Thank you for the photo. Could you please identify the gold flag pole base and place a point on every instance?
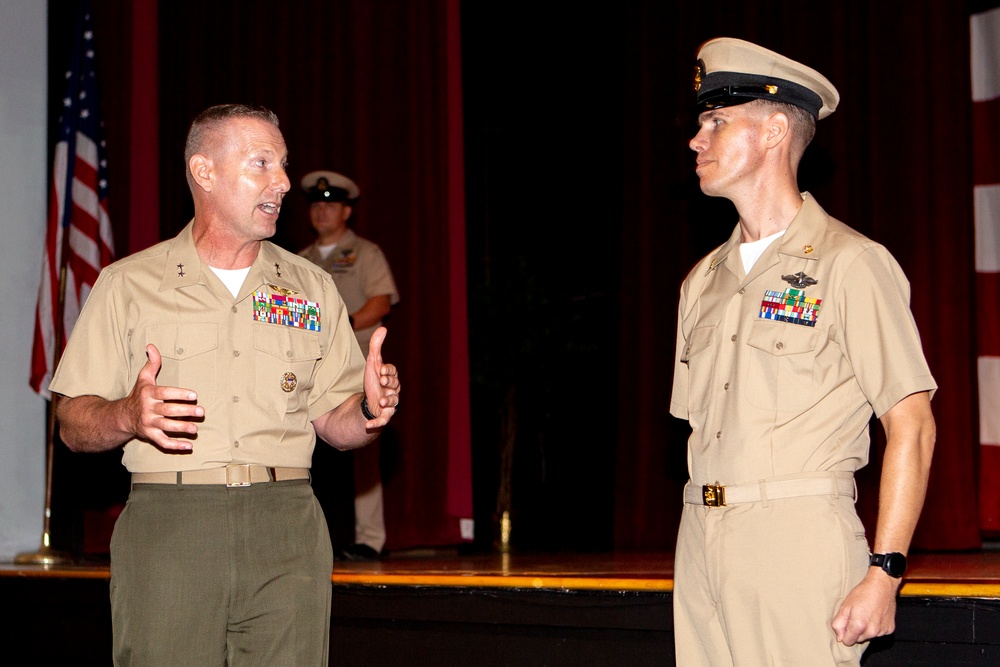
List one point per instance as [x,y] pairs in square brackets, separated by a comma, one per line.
[44,556]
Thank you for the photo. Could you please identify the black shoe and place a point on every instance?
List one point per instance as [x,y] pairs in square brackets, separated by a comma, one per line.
[357,552]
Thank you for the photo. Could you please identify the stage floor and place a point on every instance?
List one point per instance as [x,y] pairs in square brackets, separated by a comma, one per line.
[974,575]
[447,607]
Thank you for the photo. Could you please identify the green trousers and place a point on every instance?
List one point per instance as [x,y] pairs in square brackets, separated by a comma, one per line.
[212,576]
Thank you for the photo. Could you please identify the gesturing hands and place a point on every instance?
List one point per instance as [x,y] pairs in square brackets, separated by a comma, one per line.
[381,383]
[155,412]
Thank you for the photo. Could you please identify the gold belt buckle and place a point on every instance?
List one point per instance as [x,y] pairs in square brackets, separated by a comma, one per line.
[713,495]
[230,482]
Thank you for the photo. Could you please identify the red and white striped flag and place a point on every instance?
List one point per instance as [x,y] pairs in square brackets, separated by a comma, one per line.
[79,239]
[985,46]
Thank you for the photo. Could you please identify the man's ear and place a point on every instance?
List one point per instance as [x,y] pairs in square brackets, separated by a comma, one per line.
[776,129]
[201,168]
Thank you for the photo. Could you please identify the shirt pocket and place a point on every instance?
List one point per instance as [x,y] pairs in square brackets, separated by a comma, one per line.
[781,366]
[700,359]
[284,362]
[187,352]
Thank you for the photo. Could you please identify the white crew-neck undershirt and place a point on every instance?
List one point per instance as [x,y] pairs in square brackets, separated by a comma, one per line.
[752,250]
[232,278]
[325,250]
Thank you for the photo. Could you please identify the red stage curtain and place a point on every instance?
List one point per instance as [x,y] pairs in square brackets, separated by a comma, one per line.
[369,88]
[372,89]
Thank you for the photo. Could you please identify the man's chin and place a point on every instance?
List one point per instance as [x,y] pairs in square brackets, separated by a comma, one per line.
[266,229]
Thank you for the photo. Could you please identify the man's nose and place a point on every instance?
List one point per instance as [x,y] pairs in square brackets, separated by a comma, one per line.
[281,182]
[697,143]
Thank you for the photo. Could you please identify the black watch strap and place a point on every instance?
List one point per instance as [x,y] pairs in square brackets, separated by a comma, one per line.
[364,409]
[893,563]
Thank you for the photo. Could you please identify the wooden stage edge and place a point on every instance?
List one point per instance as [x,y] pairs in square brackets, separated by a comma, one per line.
[949,575]
[451,607]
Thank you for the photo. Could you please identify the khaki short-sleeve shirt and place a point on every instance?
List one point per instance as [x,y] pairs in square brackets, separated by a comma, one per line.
[264,364]
[360,271]
[778,372]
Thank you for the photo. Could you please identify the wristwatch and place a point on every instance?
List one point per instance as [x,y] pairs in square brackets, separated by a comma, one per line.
[893,563]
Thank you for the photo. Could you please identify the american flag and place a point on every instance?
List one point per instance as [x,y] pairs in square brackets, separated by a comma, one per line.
[985,46]
[79,239]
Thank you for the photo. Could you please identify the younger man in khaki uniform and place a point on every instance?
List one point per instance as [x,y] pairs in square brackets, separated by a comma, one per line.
[790,335]
[363,278]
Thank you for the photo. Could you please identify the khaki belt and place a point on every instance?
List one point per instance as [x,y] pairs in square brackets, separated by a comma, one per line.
[719,495]
[235,474]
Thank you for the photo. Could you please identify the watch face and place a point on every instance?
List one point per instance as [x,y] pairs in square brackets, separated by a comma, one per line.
[895,564]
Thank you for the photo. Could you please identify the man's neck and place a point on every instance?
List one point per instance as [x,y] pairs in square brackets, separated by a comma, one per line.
[221,250]
[769,213]
[331,237]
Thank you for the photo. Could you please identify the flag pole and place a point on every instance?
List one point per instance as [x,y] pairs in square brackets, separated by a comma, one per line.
[46,555]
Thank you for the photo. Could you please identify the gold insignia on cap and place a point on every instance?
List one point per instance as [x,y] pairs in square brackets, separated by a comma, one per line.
[289,382]
[807,249]
[734,71]
[699,68]
[282,290]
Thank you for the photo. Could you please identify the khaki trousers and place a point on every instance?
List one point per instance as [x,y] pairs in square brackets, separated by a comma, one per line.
[369,510]
[214,576]
[759,583]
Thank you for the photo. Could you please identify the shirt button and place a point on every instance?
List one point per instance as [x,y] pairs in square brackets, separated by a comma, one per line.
[718,435]
[779,345]
[726,386]
[236,399]
[743,291]
[733,338]
[234,310]
[288,354]
[236,353]
[180,350]
[236,444]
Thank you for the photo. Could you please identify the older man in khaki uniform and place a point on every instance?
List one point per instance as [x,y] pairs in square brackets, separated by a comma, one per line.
[790,335]
[216,359]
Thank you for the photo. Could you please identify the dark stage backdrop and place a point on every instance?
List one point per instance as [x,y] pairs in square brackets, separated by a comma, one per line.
[894,161]
[582,217]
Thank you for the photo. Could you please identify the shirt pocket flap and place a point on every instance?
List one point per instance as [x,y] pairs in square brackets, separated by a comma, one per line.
[781,339]
[184,341]
[700,340]
[286,344]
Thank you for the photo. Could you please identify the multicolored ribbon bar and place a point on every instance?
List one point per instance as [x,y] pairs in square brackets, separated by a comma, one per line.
[286,310]
[792,305]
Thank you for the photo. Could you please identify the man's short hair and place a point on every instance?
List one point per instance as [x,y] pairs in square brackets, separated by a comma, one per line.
[211,118]
[802,122]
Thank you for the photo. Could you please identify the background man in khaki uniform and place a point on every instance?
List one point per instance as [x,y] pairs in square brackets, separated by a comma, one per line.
[216,358]
[363,278]
[790,335]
